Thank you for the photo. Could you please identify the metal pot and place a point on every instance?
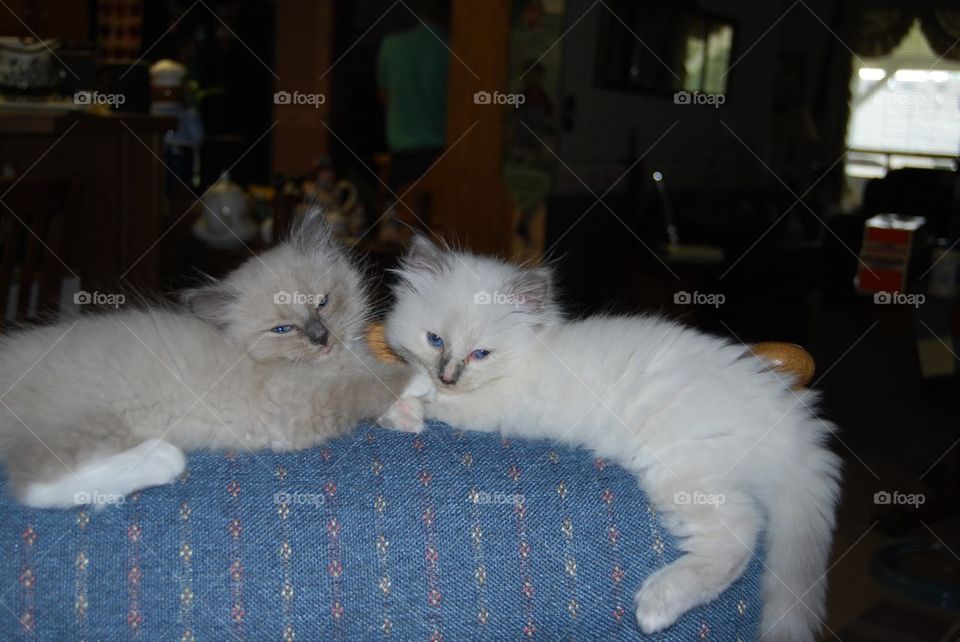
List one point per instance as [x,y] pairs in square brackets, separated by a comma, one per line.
[28,66]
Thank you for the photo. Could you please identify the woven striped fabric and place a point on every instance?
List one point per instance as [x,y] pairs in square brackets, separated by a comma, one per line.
[447,535]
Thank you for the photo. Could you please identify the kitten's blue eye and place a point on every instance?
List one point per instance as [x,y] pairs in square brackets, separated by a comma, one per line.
[322,301]
[282,329]
[480,353]
[435,341]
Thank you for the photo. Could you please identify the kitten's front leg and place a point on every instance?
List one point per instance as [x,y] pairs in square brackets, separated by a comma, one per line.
[407,412]
[387,393]
[718,532]
[462,411]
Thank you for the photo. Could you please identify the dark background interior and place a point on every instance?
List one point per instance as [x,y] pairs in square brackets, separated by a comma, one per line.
[735,178]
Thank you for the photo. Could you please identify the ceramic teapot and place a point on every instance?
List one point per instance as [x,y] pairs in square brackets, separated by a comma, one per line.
[225,220]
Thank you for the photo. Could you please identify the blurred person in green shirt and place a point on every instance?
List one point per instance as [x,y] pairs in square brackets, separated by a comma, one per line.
[412,78]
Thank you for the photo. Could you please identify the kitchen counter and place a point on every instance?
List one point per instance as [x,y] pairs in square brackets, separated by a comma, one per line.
[19,118]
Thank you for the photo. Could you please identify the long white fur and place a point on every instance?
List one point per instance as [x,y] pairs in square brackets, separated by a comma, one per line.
[691,415]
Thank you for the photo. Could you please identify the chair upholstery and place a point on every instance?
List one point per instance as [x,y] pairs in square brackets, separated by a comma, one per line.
[379,535]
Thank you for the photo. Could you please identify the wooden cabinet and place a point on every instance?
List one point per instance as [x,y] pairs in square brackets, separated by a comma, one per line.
[121,214]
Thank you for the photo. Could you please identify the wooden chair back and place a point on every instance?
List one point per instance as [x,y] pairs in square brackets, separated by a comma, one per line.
[788,358]
[34,218]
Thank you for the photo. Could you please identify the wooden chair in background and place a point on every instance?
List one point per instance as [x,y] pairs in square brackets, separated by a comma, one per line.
[787,358]
[284,209]
[417,196]
[35,219]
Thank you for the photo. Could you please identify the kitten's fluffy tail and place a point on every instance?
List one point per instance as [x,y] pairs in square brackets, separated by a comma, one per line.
[800,528]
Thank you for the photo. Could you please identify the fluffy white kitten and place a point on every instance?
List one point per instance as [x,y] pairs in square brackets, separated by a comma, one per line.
[722,447]
[272,356]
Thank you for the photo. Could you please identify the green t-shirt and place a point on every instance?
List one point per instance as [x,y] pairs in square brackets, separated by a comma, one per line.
[412,71]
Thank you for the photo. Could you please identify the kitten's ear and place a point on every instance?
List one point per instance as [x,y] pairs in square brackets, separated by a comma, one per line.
[211,303]
[309,232]
[423,255]
[532,288]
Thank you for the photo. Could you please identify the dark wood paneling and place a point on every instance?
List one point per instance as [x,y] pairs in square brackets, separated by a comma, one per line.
[472,201]
[122,209]
[65,20]
[304,42]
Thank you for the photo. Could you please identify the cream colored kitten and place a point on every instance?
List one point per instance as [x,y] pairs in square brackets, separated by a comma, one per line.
[272,356]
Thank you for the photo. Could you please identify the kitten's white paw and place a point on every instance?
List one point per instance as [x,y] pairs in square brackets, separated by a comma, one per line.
[162,463]
[665,596]
[421,386]
[405,415]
